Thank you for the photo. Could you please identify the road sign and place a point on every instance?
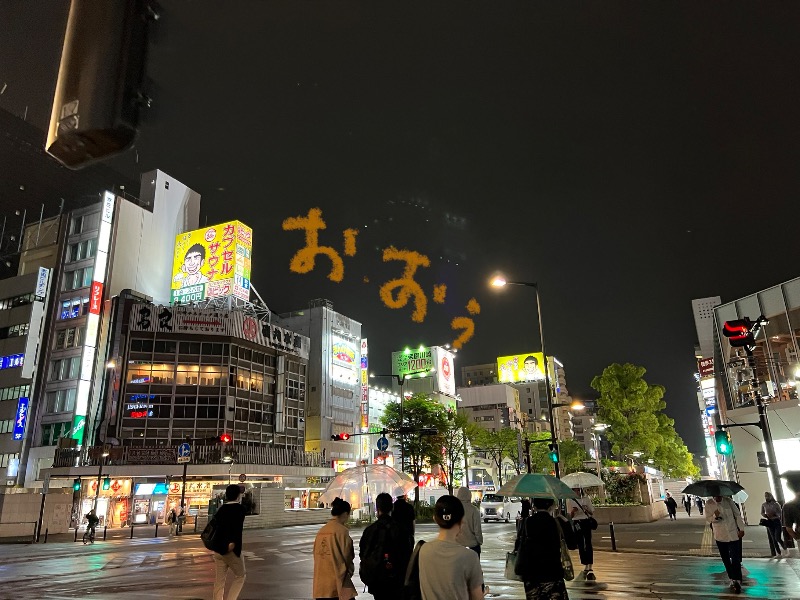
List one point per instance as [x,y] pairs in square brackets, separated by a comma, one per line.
[383,444]
[242,478]
[184,453]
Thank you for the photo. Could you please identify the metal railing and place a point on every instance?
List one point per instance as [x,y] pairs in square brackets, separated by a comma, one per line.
[201,455]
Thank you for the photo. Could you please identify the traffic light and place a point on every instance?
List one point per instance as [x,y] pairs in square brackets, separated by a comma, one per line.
[553,452]
[722,440]
[107,483]
[739,332]
[76,485]
[340,437]
[226,438]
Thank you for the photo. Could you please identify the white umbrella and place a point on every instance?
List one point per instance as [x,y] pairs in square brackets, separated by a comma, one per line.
[360,485]
[582,480]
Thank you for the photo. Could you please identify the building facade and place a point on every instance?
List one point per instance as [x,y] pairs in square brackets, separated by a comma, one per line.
[492,407]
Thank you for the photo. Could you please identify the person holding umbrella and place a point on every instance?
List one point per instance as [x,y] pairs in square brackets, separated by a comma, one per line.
[728,527]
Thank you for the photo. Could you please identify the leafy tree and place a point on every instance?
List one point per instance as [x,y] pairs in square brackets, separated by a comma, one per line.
[498,445]
[454,437]
[572,456]
[634,411]
[540,460]
[419,448]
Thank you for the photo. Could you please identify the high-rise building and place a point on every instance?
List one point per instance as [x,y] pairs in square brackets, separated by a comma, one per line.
[473,375]
[492,407]
[703,310]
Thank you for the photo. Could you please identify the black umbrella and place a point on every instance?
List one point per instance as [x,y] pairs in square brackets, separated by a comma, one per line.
[713,487]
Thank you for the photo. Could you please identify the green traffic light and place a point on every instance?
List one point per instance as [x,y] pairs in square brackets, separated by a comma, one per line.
[723,443]
[76,485]
[106,484]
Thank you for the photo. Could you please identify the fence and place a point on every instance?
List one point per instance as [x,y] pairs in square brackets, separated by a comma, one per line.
[204,454]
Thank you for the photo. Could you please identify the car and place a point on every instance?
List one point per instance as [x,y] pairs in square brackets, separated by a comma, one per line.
[500,508]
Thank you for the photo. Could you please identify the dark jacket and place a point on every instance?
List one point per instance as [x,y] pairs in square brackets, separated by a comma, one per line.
[671,504]
[230,522]
[403,514]
[542,549]
[396,544]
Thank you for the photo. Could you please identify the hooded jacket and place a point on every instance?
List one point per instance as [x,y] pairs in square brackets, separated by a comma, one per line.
[471,534]
[333,561]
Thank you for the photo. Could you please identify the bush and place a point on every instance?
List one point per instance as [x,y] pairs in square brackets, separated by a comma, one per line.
[621,487]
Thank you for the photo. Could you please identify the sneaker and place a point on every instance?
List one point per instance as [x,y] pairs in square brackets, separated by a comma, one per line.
[590,576]
[737,586]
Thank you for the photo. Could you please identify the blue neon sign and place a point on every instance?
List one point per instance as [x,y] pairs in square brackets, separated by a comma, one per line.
[11,361]
[21,418]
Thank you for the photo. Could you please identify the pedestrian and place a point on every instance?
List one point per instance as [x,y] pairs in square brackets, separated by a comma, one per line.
[728,527]
[227,545]
[92,520]
[672,507]
[403,513]
[687,504]
[542,572]
[771,512]
[791,509]
[471,534]
[172,521]
[334,556]
[579,511]
[384,550]
[524,513]
[700,504]
[448,570]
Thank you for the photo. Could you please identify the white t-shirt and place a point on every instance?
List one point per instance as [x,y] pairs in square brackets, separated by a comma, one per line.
[448,571]
[585,502]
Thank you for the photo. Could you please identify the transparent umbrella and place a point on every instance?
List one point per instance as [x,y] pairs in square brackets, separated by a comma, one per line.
[360,485]
[581,479]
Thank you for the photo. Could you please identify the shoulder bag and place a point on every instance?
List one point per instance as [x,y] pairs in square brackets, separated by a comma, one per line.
[411,589]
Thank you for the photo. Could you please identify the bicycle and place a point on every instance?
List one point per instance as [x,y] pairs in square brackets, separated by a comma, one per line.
[88,535]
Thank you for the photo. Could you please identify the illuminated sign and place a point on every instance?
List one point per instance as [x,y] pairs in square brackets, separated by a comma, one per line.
[705,366]
[520,367]
[445,371]
[96,298]
[364,394]
[212,262]
[412,361]
[41,282]
[11,361]
[343,352]
[20,419]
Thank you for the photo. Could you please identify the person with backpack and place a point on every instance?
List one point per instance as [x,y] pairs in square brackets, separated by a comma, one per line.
[384,551]
[223,535]
[447,569]
[334,556]
[539,558]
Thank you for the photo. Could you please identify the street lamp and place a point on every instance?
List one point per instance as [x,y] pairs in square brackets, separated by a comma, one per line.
[499,281]
[99,478]
[401,381]
[597,429]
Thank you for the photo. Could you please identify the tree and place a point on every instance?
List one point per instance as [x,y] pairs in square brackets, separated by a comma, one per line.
[419,447]
[454,437]
[572,456]
[498,445]
[634,411]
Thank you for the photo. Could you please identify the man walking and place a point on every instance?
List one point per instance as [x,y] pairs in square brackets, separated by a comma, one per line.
[385,550]
[471,534]
[228,544]
[672,507]
[728,527]
[687,504]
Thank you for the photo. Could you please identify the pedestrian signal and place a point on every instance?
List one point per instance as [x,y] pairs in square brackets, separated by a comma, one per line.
[107,483]
[76,485]
[340,437]
[723,443]
[553,452]
[739,332]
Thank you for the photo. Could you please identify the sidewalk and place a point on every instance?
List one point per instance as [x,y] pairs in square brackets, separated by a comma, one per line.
[115,533]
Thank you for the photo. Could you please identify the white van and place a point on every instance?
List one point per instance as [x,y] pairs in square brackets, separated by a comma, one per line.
[500,508]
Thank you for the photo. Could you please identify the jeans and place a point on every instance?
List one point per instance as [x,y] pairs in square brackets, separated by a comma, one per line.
[585,549]
[223,563]
[731,554]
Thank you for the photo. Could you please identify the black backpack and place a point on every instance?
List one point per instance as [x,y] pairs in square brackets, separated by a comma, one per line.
[411,587]
[380,563]
[209,534]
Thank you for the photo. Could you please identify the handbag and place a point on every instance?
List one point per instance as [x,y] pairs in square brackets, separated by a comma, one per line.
[566,562]
[511,565]
[764,522]
[592,523]
[411,588]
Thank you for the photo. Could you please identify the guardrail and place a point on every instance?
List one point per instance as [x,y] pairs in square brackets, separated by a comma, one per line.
[201,455]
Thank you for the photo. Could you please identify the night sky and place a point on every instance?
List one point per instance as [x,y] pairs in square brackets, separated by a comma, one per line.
[627,156]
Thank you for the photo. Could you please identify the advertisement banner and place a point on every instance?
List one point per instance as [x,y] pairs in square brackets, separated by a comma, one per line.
[364,388]
[412,361]
[705,366]
[212,262]
[20,419]
[520,367]
[445,371]
[41,282]
[343,352]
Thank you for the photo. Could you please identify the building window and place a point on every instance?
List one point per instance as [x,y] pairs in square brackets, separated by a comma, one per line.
[79,278]
[73,308]
[13,393]
[14,331]
[82,250]
[7,426]
[16,301]
[60,401]
[72,337]
[84,223]
[65,368]
[7,459]
[53,431]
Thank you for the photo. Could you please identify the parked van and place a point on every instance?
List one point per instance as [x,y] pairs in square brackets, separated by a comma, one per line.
[500,508]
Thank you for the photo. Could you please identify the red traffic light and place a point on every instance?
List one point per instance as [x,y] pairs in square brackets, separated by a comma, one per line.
[739,332]
[226,438]
[340,437]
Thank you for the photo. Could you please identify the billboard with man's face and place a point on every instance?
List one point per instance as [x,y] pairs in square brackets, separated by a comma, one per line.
[212,262]
[520,367]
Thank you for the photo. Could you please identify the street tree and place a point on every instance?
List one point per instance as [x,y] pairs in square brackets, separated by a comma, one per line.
[572,456]
[454,438]
[633,409]
[419,447]
[498,445]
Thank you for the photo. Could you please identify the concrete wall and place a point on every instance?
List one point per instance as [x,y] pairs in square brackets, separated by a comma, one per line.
[630,514]
[19,510]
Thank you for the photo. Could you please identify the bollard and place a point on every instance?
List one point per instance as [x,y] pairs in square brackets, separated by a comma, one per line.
[105,531]
[45,534]
[156,534]
[76,534]
[131,530]
[195,524]
[613,537]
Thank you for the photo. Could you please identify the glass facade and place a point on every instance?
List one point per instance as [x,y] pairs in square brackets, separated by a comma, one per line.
[776,349]
[178,388]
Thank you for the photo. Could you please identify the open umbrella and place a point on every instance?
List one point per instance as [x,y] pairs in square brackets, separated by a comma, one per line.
[360,485]
[536,485]
[713,487]
[582,480]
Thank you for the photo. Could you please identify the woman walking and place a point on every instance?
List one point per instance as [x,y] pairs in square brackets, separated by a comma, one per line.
[672,507]
[772,512]
[579,511]
[542,571]
[333,557]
